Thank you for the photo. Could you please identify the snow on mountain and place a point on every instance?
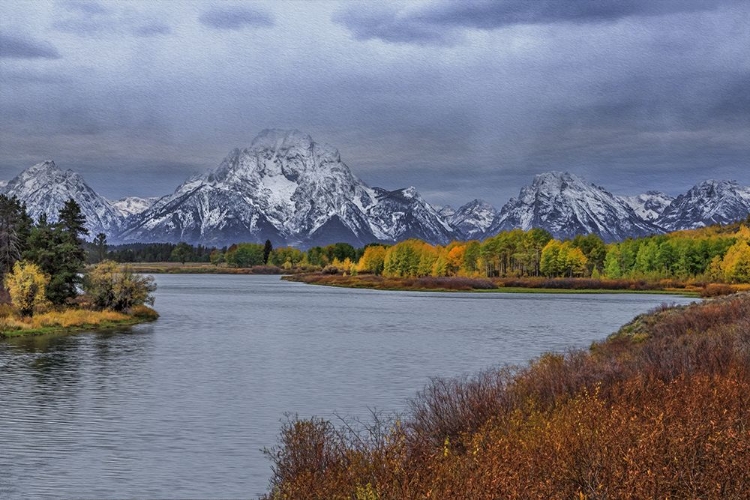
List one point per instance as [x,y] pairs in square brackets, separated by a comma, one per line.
[285,188]
[3,184]
[710,202]
[473,220]
[45,189]
[567,205]
[403,214]
[446,212]
[132,205]
[649,205]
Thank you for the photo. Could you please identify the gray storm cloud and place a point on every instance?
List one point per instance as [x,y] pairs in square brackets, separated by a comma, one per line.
[460,99]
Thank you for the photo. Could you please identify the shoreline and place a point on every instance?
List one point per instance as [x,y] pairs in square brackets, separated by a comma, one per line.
[667,391]
[483,285]
[103,324]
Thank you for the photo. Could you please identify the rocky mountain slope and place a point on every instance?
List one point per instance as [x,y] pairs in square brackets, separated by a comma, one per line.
[473,220]
[45,188]
[710,202]
[649,205]
[291,190]
[132,205]
[566,205]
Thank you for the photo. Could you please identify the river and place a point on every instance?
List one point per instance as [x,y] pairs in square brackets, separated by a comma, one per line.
[181,408]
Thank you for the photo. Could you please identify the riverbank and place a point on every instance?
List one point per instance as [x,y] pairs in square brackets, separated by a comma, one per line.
[661,409]
[73,320]
[201,268]
[517,285]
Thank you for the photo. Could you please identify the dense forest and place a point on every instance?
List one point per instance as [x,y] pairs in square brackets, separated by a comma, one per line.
[712,254]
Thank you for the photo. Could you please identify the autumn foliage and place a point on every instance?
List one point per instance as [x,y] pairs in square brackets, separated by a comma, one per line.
[661,409]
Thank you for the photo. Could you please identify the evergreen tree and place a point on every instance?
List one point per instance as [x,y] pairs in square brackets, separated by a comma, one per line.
[100,245]
[15,225]
[181,252]
[58,250]
[267,249]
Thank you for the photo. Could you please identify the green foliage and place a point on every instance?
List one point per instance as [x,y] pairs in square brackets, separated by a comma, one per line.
[59,252]
[181,252]
[216,257]
[245,255]
[286,257]
[15,226]
[562,259]
[100,246]
[154,252]
[118,289]
[683,255]
[593,249]
[514,253]
[26,285]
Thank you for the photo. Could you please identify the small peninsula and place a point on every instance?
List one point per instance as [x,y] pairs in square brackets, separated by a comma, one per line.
[47,287]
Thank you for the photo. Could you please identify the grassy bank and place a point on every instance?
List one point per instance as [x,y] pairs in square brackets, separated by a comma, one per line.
[661,409]
[72,320]
[511,285]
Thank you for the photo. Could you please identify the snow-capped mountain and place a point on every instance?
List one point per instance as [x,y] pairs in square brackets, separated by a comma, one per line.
[566,205]
[472,220]
[132,205]
[45,189]
[446,212]
[649,205]
[710,202]
[403,214]
[288,189]
[293,191]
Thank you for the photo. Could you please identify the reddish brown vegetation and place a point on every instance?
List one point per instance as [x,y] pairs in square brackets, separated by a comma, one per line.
[659,410]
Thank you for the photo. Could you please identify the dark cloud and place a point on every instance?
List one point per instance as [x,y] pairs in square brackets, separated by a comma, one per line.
[23,48]
[384,23]
[93,19]
[494,14]
[90,7]
[234,18]
[631,95]
[154,28]
[439,22]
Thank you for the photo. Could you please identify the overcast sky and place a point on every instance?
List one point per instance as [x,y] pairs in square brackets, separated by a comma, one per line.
[461,99]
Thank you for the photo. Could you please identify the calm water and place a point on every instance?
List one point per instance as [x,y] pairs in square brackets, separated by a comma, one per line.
[181,407]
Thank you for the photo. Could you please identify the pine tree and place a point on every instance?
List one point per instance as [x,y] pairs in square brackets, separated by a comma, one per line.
[100,245]
[15,225]
[58,250]
[267,249]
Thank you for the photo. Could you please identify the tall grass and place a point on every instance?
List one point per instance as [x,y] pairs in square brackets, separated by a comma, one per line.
[659,410]
[70,319]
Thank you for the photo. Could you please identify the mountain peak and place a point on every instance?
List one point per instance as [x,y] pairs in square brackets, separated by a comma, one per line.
[566,205]
[45,188]
[279,139]
[47,166]
[555,181]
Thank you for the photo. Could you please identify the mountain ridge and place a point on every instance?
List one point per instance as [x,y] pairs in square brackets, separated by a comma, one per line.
[293,191]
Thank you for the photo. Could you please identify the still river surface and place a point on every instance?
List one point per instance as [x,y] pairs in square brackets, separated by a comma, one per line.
[182,407]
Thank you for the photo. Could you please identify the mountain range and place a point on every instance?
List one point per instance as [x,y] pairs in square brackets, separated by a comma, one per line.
[293,191]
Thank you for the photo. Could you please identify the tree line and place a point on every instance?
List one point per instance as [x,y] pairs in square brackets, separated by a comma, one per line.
[716,253]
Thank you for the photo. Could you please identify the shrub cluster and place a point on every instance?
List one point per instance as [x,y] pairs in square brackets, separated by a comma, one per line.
[661,409]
